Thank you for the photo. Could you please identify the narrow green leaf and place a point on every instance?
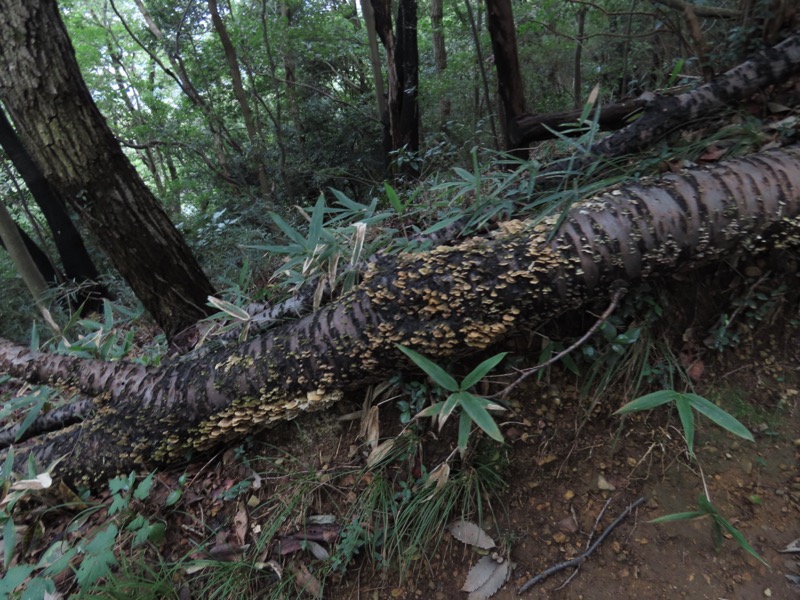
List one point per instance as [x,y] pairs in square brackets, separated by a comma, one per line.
[569,364]
[431,411]
[434,371]
[173,497]
[681,516]
[481,370]
[287,229]
[705,505]
[719,416]
[9,541]
[394,199]
[464,430]
[317,220]
[472,405]
[31,416]
[716,534]
[453,400]
[687,420]
[13,578]
[38,588]
[8,466]
[739,537]
[648,402]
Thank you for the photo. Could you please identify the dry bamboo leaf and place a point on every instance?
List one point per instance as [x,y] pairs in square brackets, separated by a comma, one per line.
[319,552]
[40,482]
[321,520]
[439,476]
[371,427]
[469,533]
[240,523]
[792,546]
[306,581]
[493,584]
[379,453]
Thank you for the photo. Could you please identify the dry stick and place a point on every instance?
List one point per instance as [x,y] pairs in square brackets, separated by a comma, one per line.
[528,372]
[579,559]
[599,518]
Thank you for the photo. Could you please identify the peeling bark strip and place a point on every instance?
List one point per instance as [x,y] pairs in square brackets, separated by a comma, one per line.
[451,300]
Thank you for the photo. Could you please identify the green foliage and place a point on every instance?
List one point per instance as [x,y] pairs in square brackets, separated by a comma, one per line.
[686,403]
[337,240]
[474,409]
[90,559]
[719,525]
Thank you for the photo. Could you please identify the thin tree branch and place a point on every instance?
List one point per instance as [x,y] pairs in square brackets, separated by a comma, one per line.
[525,373]
[582,557]
[710,12]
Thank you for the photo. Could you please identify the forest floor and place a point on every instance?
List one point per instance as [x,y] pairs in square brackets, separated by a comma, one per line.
[563,469]
[566,457]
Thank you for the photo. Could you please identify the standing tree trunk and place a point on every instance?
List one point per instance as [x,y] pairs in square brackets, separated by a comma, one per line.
[75,259]
[476,38]
[402,65]
[500,21]
[439,55]
[241,97]
[59,124]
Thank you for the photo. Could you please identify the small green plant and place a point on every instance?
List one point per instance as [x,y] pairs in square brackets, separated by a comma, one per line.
[719,525]
[90,558]
[686,404]
[474,409]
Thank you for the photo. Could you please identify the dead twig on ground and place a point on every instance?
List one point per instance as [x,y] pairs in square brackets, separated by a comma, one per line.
[582,557]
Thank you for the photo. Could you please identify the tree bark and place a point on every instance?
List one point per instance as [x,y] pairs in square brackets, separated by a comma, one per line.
[60,126]
[450,301]
[500,21]
[439,55]
[402,66]
[75,259]
[664,114]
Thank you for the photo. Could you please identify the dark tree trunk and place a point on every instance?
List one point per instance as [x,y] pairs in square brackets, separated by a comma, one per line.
[60,126]
[500,21]
[453,300]
[402,65]
[664,114]
[77,263]
[439,55]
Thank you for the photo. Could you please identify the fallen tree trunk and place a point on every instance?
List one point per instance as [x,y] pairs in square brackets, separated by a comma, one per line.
[664,114]
[453,299]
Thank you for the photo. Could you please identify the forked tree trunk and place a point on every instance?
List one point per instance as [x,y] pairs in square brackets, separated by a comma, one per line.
[78,265]
[62,129]
[449,301]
